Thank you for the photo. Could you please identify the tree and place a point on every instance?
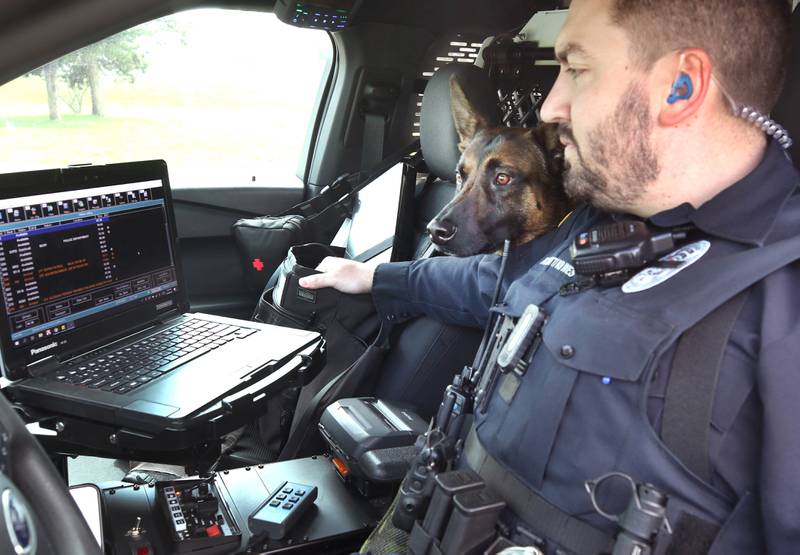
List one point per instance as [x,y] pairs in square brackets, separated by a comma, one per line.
[51,82]
[120,55]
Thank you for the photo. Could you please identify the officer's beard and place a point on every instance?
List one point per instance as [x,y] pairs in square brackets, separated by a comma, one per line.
[614,172]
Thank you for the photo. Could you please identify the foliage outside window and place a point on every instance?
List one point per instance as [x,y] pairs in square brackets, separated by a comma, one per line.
[225,97]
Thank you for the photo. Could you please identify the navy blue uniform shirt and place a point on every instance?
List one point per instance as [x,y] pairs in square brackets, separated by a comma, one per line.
[755,429]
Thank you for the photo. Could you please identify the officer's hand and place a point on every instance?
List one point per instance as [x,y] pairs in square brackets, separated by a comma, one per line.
[343,275]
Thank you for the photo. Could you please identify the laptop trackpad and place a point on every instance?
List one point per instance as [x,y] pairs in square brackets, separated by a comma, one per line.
[149,407]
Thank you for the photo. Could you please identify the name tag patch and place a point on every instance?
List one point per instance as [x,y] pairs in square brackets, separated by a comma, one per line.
[667,267]
[560,265]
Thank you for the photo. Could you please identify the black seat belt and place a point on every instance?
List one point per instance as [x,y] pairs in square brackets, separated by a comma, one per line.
[374,250]
[342,385]
[374,137]
[692,384]
[403,247]
[378,101]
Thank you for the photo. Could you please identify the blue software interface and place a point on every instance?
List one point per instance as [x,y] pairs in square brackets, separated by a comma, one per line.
[68,259]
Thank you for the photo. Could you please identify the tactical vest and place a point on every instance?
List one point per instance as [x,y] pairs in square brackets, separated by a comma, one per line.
[579,411]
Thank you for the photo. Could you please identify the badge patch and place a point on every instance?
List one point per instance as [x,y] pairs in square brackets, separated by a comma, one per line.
[672,264]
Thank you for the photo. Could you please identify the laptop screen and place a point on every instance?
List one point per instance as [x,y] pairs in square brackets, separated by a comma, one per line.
[75,258]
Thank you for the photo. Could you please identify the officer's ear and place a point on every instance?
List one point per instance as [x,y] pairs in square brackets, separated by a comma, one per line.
[684,86]
[469,122]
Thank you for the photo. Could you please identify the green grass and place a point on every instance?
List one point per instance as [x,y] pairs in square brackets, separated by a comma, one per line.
[200,135]
[68,121]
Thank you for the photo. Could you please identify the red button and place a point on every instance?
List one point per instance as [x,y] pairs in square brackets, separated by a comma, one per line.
[213,531]
[143,551]
[341,468]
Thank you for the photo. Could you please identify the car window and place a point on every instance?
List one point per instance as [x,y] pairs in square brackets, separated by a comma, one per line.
[226,97]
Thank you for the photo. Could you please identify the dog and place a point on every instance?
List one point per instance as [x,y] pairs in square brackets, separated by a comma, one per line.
[508,184]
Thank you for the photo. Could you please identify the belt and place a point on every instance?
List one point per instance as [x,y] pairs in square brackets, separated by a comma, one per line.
[543,518]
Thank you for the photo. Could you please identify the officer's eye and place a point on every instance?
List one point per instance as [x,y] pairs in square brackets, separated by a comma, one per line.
[502,179]
[574,72]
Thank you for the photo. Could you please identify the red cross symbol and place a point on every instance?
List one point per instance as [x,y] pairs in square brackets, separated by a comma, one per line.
[258,265]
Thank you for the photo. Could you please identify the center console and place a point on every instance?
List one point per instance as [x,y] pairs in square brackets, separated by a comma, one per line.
[213,515]
[321,504]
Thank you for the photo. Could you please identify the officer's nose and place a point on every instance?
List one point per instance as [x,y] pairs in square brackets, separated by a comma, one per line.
[442,231]
[556,107]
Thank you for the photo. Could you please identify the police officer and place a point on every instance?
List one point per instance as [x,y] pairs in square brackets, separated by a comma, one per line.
[654,104]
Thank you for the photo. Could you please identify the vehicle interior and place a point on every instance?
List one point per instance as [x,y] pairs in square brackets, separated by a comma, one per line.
[255,106]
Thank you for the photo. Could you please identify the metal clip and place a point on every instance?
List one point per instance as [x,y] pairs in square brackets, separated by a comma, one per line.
[577,286]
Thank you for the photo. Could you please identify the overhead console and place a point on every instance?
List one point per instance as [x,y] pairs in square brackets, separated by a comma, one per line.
[327,15]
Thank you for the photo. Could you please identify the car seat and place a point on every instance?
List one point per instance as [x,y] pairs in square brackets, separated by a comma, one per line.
[411,371]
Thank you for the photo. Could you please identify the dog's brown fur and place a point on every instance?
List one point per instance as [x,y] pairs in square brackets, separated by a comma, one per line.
[483,213]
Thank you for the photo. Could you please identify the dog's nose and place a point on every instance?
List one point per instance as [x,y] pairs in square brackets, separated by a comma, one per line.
[442,231]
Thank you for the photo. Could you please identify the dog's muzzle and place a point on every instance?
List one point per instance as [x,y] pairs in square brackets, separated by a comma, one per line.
[442,232]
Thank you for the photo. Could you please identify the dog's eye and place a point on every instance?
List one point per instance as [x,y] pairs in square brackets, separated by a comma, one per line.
[502,179]
[459,179]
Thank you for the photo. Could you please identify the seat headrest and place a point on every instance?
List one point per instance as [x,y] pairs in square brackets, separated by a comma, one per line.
[787,111]
[438,135]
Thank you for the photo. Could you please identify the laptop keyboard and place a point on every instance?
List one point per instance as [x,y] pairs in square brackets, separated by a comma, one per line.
[125,369]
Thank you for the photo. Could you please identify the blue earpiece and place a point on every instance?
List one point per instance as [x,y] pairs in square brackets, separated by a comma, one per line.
[682,89]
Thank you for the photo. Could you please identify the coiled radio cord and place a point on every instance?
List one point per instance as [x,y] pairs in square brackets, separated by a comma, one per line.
[766,124]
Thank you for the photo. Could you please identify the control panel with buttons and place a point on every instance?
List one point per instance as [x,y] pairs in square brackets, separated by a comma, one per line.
[282,510]
[328,15]
[196,515]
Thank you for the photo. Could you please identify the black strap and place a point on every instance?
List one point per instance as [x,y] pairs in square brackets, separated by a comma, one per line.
[374,137]
[425,248]
[541,516]
[342,207]
[344,186]
[692,384]
[341,186]
[374,250]
[304,419]
[305,416]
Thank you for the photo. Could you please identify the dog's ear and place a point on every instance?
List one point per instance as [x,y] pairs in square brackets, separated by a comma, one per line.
[467,119]
[546,136]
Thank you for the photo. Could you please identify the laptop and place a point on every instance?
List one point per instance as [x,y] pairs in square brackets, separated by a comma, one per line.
[94,321]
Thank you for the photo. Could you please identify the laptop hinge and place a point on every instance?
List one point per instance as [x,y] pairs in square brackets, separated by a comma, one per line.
[44,366]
